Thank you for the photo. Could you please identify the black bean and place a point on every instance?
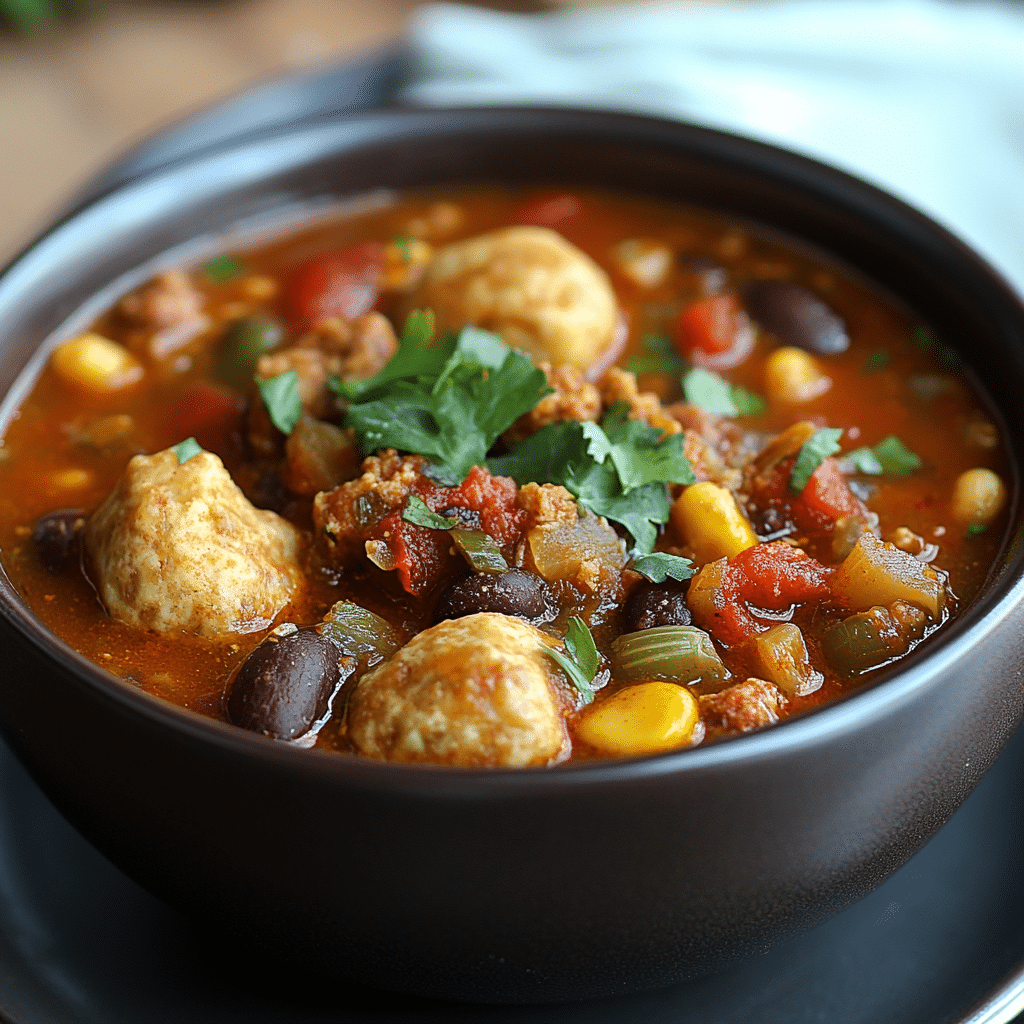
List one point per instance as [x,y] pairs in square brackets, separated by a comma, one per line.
[56,539]
[796,316]
[656,604]
[286,685]
[515,592]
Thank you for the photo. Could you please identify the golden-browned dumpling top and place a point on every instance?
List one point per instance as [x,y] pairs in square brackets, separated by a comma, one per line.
[475,691]
[530,286]
[179,547]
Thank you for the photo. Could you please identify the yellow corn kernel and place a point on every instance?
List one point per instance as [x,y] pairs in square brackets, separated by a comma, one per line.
[711,523]
[94,363]
[258,287]
[70,479]
[978,496]
[646,718]
[792,375]
[405,261]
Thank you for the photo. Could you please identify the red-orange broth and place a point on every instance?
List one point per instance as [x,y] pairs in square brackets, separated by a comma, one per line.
[675,273]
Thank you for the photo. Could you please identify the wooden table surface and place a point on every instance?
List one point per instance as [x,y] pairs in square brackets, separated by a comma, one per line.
[73,99]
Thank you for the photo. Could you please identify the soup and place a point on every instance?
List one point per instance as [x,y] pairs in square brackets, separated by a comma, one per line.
[499,478]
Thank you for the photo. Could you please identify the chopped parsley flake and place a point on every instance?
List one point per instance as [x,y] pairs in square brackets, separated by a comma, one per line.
[224,269]
[661,357]
[417,512]
[975,529]
[447,399]
[890,456]
[945,354]
[710,391]
[878,360]
[660,565]
[580,664]
[813,452]
[186,449]
[282,399]
[618,469]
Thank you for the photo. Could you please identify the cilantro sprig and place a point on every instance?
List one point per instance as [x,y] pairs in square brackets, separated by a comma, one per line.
[186,449]
[282,398]
[580,664]
[710,391]
[659,566]
[660,357]
[890,456]
[619,468]
[448,399]
[813,452]
[418,513]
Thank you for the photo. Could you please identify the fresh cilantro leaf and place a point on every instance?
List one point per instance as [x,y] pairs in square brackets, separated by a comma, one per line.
[975,529]
[617,470]
[641,512]
[415,357]
[709,391]
[812,454]
[417,512]
[404,243]
[282,399]
[659,566]
[448,401]
[662,357]
[224,269]
[440,475]
[748,403]
[863,460]
[186,449]
[643,454]
[878,360]
[895,457]
[580,665]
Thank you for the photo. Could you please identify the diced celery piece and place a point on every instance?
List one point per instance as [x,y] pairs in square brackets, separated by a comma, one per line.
[682,654]
[879,574]
[781,657]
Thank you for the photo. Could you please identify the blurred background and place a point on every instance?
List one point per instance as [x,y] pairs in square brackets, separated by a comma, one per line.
[81,81]
[924,97]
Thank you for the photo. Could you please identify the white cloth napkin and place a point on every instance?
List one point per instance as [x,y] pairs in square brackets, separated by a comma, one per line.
[922,97]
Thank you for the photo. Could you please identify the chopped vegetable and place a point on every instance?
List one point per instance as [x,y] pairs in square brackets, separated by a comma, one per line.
[683,654]
[480,550]
[781,657]
[449,401]
[662,357]
[876,573]
[245,340]
[224,269]
[282,399]
[711,522]
[320,455]
[714,332]
[341,285]
[794,376]
[93,363]
[360,633]
[869,639]
[659,566]
[416,511]
[812,454]
[580,664]
[186,449]
[889,456]
[647,718]
[618,469]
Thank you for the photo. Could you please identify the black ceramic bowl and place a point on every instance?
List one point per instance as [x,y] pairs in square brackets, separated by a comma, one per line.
[523,885]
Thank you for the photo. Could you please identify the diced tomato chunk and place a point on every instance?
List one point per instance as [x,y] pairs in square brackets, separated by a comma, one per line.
[777,576]
[422,555]
[548,211]
[714,332]
[206,412]
[340,284]
[826,498]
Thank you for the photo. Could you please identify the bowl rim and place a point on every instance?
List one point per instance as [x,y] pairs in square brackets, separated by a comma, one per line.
[846,715]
